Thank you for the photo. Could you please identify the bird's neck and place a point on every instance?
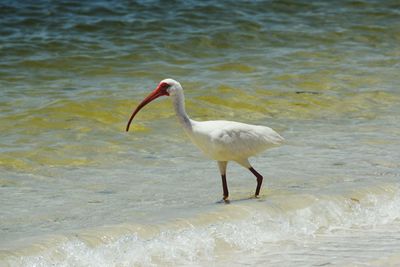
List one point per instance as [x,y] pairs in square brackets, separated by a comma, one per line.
[178,101]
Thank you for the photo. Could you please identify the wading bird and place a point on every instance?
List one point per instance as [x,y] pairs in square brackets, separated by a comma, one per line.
[220,140]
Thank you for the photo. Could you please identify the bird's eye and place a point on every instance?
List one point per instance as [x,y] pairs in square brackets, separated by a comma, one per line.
[165,85]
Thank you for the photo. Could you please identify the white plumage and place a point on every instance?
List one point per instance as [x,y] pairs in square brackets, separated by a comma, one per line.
[232,141]
[220,140]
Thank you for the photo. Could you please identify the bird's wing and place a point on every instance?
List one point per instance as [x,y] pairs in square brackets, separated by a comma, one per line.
[242,140]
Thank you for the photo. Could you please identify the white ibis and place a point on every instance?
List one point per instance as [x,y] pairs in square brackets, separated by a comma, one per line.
[220,140]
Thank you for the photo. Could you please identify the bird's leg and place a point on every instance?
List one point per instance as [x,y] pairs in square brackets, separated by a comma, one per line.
[245,163]
[225,187]
[222,168]
[259,180]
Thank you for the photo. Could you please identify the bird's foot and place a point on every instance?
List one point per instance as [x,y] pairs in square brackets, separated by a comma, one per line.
[255,197]
[224,200]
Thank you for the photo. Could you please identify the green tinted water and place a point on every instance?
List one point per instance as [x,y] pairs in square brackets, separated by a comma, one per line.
[322,74]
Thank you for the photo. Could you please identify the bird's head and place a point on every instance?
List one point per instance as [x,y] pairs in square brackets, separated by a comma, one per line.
[166,87]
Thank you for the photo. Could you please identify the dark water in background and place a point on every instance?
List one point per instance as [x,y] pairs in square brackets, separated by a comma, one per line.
[322,73]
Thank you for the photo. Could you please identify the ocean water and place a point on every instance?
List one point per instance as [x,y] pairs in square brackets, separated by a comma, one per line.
[77,190]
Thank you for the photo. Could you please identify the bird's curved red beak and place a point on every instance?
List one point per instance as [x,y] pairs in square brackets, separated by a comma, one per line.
[161,90]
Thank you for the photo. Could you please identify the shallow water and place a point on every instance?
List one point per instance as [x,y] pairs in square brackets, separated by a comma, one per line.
[77,190]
